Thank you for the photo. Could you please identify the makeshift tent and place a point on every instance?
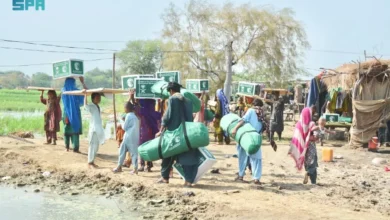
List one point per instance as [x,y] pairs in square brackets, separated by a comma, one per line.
[370,86]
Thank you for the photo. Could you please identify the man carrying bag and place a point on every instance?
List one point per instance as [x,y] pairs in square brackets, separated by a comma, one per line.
[179,110]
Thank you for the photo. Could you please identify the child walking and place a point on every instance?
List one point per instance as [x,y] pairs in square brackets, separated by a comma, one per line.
[311,159]
[303,148]
[52,116]
[130,141]
[323,130]
[96,135]
[120,133]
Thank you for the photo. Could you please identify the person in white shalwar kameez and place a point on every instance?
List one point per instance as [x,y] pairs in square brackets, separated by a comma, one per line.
[96,134]
[130,141]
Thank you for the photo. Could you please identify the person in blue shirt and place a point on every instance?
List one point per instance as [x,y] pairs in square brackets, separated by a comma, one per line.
[252,116]
[130,141]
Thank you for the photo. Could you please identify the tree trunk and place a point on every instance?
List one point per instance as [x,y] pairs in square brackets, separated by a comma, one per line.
[228,80]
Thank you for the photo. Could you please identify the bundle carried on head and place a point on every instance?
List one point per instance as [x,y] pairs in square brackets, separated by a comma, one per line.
[160,89]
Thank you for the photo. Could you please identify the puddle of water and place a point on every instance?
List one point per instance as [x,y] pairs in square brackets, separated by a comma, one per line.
[16,204]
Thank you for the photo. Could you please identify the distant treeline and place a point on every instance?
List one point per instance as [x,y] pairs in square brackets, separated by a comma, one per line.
[95,78]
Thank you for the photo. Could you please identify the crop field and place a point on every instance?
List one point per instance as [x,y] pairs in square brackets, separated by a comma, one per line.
[16,106]
[23,101]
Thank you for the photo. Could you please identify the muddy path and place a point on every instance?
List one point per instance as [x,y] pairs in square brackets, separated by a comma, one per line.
[349,188]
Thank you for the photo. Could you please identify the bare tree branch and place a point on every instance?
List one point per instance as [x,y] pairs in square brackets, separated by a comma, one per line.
[234,62]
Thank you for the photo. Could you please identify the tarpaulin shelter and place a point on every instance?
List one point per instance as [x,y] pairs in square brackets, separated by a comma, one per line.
[370,86]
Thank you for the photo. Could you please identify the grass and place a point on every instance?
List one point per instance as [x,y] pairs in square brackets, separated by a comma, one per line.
[23,101]
[23,124]
[29,124]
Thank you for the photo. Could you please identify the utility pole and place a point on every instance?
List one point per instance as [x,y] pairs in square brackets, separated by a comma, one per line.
[113,95]
[365,55]
[228,80]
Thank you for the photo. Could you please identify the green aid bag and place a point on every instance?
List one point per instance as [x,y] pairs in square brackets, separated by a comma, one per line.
[160,90]
[247,137]
[188,135]
[208,115]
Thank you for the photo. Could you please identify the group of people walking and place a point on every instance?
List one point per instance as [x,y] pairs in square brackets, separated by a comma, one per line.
[143,122]
[71,118]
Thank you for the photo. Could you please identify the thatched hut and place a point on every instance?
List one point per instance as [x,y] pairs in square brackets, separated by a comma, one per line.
[370,86]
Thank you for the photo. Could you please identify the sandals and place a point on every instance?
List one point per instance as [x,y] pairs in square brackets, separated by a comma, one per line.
[162,181]
[240,179]
[257,182]
[117,170]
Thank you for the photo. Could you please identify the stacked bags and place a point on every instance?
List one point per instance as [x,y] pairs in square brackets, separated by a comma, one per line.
[174,142]
[160,90]
[247,137]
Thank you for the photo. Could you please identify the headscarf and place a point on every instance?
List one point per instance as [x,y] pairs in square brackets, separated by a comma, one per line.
[150,119]
[224,105]
[57,108]
[223,102]
[300,141]
[72,104]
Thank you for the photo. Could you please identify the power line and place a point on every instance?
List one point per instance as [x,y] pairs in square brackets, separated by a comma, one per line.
[48,51]
[81,41]
[54,45]
[168,51]
[45,64]
[80,52]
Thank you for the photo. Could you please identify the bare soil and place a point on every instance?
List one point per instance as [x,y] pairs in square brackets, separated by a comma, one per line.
[349,188]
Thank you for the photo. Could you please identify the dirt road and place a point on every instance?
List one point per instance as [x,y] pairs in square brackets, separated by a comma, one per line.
[349,188]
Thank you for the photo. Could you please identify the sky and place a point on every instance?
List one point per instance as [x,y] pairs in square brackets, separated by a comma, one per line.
[338,30]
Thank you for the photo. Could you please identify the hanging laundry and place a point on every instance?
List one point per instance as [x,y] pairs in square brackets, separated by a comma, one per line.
[340,99]
[313,93]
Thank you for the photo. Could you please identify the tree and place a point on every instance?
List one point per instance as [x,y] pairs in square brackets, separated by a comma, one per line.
[97,78]
[14,79]
[41,80]
[265,40]
[141,57]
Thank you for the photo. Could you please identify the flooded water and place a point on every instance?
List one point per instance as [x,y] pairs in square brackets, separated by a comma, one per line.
[16,204]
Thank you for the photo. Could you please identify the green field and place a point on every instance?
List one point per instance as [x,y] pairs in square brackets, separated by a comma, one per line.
[21,100]
[28,124]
